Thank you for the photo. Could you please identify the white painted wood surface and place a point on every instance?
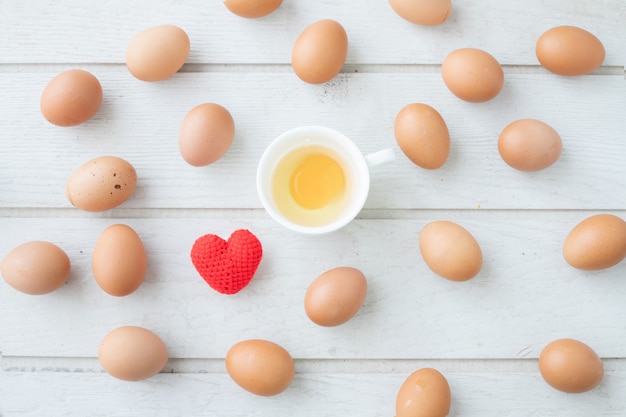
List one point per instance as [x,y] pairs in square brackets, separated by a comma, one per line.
[485,334]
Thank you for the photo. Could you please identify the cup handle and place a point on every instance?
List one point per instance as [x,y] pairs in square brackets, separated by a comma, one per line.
[381,157]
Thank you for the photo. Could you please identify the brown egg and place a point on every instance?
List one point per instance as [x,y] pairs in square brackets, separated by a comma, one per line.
[132,353]
[320,52]
[569,50]
[422,135]
[71,98]
[252,9]
[260,366]
[570,366]
[529,145]
[425,393]
[119,260]
[206,133]
[450,251]
[101,184]
[36,267]
[335,296]
[157,53]
[472,75]
[598,242]
[423,12]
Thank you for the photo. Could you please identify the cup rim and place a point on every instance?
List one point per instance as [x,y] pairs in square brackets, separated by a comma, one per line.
[354,207]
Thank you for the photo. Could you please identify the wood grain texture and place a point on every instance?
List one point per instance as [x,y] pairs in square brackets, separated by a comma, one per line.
[525,296]
[79,32]
[140,122]
[485,334]
[311,394]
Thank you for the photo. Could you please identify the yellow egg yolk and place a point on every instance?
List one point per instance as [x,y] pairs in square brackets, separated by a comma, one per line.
[316,182]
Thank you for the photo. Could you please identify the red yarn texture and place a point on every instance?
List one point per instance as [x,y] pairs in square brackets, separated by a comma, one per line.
[227,266]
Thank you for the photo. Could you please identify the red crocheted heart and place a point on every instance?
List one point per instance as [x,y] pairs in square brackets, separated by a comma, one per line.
[227,266]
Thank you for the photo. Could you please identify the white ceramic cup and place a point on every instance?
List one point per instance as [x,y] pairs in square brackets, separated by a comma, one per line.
[355,165]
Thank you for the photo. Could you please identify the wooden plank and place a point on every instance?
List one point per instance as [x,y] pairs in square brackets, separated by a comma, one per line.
[311,394]
[99,33]
[140,122]
[525,296]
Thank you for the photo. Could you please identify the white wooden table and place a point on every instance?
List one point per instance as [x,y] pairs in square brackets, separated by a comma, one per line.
[484,335]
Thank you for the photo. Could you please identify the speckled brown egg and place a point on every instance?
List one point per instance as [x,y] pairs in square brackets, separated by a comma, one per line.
[101,184]
[132,353]
[260,366]
[422,135]
[157,53]
[335,296]
[71,98]
[119,260]
[597,242]
[320,51]
[36,267]
[529,145]
[206,133]
[571,366]
[423,12]
[472,75]
[450,250]
[252,9]
[569,50]
[425,393]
